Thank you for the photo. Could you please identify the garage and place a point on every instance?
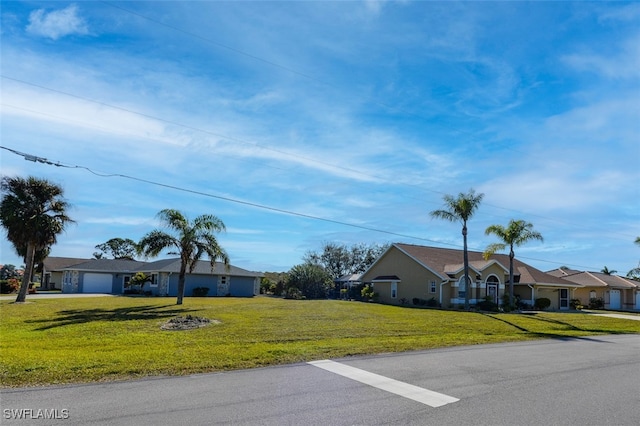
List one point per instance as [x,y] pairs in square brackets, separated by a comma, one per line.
[614,299]
[97,283]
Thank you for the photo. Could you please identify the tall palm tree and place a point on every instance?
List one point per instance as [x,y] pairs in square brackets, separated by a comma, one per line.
[33,212]
[460,209]
[516,233]
[637,241]
[192,239]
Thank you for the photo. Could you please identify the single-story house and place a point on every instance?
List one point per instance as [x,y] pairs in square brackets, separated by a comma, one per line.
[616,292]
[114,275]
[52,270]
[221,281]
[406,272]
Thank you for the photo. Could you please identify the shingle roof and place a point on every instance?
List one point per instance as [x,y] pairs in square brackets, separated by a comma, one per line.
[598,279]
[107,265]
[58,263]
[133,266]
[440,260]
[202,267]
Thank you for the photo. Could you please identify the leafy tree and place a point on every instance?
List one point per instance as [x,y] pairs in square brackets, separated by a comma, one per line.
[461,209]
[313,281]
[8,271]
[33,213]
[516,234]
[339,260]
[119,248]
[608,271]
[191,239]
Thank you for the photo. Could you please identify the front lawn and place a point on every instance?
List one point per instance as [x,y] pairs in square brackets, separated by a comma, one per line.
[93,339]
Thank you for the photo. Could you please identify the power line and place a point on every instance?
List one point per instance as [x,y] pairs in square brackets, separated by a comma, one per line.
[267,148]
[43,160]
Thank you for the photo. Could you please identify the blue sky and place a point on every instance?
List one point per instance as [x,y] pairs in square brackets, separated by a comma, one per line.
[355,116]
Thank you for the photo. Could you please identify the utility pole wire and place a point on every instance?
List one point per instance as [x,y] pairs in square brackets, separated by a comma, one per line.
[42,160]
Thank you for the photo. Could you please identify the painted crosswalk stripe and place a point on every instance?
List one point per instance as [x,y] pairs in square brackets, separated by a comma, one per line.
[425,396]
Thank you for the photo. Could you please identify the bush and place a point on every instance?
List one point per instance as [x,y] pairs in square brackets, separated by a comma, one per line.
[200,291]
[596,303]
[11,285]
[542,303]
[575,304]
[294,293]
[432,303]
[488,305]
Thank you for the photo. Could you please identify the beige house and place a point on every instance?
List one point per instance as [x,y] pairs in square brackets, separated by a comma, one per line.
[406,272]
[617,293]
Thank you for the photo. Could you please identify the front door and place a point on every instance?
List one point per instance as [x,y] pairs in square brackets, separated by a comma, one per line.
[564,298]
[492,292]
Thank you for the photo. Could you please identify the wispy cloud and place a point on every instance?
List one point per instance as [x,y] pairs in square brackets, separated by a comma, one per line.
[58,23]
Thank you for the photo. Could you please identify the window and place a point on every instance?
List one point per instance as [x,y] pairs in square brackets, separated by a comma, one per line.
[462,287]
[592,294]
[394,290]
[432,287]
[154,280]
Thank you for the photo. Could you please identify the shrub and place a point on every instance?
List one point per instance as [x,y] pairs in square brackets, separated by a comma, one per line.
[596,303]
[9,286]
[488,305]
[542,303]
[433,303]
[575,304]
[367,293]
[293,293]
[200,291]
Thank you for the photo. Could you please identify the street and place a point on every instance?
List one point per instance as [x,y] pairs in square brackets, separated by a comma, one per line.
[574,381]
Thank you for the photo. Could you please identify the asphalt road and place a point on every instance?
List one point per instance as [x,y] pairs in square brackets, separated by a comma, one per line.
[587,381]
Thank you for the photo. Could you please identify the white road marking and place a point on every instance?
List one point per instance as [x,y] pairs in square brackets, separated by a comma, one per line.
[425,396]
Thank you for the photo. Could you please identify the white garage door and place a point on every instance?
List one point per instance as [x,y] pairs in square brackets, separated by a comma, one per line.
[96,283]
[614,299]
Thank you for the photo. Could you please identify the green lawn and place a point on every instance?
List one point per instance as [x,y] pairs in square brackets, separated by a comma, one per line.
[93,339]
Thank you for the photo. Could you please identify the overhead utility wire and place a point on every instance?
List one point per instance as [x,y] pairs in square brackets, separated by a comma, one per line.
[34,158]
[196,129]
[42,160]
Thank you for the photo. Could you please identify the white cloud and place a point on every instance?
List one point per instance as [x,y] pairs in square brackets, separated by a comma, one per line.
[57,24]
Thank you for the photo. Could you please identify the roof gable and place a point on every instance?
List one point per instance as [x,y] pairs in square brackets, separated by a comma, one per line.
[437,259]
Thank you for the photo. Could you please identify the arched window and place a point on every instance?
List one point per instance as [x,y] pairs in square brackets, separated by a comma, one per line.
[462,287]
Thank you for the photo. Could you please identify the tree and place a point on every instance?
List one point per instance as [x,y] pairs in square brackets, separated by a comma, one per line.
[119,248]
[191,239]
[516,234]
[637,241]
[461,209]
[313,281]
[8,271]
[33,213]
[607,271]
[634,274]
[339,260]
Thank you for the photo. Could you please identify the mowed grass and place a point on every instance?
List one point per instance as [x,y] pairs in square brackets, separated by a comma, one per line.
[75,340]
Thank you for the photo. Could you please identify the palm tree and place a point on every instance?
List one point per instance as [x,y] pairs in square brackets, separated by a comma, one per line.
[192,239]
[637,241]
[608,271]
[516,233]
[461,209]
[33,213]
